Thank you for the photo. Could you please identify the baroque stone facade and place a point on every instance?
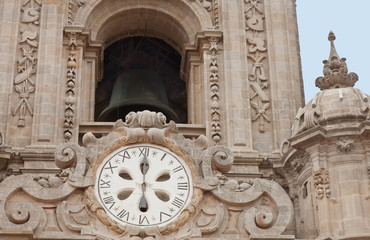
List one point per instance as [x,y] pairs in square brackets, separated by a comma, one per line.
[250,161]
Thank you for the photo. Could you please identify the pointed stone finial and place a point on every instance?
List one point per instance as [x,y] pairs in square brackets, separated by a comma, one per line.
[335,70]
[333,51]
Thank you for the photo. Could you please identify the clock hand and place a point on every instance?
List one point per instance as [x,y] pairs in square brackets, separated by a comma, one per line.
[144,166]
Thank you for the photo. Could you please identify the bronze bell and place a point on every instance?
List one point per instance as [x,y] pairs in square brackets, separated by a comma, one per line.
[137,90]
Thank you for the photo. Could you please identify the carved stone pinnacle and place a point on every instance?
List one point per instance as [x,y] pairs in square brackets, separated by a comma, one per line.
[335,70]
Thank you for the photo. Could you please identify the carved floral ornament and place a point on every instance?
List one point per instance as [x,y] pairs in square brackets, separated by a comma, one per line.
[255,206]
[24,81]
[345,144]
[321,183]
[214,88]
[71,76]
[258,80]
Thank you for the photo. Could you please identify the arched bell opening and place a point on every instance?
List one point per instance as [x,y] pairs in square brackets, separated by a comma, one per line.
[141,73]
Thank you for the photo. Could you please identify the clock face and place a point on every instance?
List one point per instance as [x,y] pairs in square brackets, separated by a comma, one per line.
[143,185]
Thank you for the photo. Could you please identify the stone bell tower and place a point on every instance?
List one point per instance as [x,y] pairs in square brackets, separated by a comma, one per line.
[158,119]
[326,160]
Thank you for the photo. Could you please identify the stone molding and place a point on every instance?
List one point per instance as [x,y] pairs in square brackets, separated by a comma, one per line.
[191,131]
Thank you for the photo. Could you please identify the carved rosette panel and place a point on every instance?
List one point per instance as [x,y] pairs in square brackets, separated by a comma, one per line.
[214,91]
[73,6]
[24,81]
[70,95]
[344,144]
[321,183]
[257,53]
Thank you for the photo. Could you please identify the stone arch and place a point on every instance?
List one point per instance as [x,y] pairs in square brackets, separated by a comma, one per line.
[176,22]
[183,24]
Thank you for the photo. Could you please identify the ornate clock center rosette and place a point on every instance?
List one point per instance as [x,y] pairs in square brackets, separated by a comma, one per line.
[143,185]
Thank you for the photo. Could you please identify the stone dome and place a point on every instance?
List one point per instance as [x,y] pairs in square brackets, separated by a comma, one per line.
[332,108]
[338,104]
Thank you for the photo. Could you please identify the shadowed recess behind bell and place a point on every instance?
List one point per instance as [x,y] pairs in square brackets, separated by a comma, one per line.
[141,73]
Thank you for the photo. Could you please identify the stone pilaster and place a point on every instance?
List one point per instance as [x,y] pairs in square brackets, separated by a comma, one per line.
[46,123]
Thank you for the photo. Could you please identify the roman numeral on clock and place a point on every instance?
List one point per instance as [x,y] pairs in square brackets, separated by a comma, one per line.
[164,155]
[176,169]
[125,155]
[123,214]
[163,214]
[104,184]
[177,202]
[142,219]
[182,186]
[110,167]
[109,200]
[144,151]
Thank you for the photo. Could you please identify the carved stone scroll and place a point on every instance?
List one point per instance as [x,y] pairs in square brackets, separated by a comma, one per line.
[268,209]
[24,81]
[210,218]
[258,80]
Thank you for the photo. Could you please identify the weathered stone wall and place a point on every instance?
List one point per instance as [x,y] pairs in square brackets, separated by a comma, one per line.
[240,61]
[247,115]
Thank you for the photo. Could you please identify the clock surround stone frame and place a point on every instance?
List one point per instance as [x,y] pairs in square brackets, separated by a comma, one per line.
[221,205]
[141,128]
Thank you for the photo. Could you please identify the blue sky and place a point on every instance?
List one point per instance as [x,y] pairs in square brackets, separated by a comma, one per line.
[349,20]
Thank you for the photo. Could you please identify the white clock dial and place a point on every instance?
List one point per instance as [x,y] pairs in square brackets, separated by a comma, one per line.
[143,185]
